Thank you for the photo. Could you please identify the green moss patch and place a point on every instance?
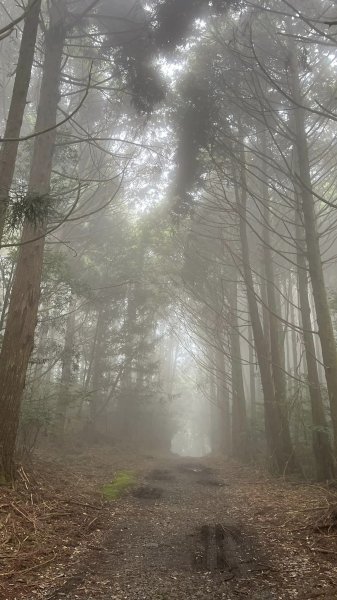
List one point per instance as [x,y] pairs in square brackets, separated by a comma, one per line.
[116,488]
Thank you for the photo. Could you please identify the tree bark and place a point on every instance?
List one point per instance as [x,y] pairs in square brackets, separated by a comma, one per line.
[22,313]
[280,457]
[324,459]
[66,372]
[276,337]
[293,331]
[9,150]
[221,413]
[97,371]
[303,179]
[6,298]
[239,413]
[127,402]
[252,384]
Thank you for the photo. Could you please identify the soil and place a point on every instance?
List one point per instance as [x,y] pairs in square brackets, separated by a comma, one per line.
[189,529]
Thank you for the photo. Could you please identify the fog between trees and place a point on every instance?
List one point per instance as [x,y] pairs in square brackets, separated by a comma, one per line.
[168,229]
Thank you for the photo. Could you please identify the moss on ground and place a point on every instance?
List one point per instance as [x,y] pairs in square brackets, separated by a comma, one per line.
[116,488]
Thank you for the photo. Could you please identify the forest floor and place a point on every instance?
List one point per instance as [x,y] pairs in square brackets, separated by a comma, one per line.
[187,529]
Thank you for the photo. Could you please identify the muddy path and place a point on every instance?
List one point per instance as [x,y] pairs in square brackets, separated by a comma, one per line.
[198,529]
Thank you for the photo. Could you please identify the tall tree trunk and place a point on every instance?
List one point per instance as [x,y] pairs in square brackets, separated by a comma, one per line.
[221,412]
[276,336]
[280,457]
[252,392]
[9,150]
[325,328]
[239,413]
[265,313]
[22,313]
[324,459]
[172,366]
[252,384]
[88,369]
[128,404]
[66,372]
[318,348]
[97,372]
[293,331]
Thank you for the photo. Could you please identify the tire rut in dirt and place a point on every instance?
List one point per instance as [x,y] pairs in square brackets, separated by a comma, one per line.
[222,547]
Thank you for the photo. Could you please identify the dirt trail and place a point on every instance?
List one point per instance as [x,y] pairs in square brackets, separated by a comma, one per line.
[198,529]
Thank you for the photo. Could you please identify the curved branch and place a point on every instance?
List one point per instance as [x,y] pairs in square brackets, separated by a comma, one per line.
[9,28]
[48,129]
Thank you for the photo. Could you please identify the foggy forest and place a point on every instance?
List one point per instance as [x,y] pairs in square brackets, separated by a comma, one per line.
[168,299]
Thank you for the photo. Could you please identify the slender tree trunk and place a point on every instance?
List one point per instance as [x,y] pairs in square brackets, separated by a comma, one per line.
[9,150]
[325,464]
[252,384]
[221,412]
[318,349]
[293,331]
[66,372]
[293,362]
[97,371]
[279,456]
[128,405]
[168,360]
[265,314]
[213,403]
[325,328]
[276,336]
[174,349]
[88,370]
[239,413]
[22,313]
